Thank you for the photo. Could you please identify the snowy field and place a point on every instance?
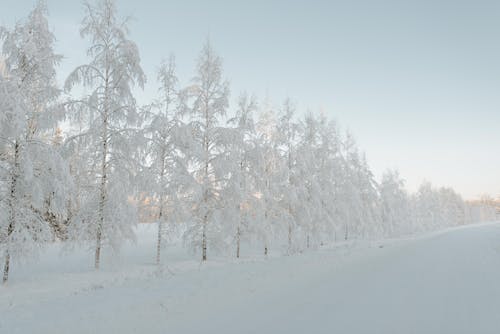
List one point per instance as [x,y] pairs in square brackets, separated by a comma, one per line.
[445,282]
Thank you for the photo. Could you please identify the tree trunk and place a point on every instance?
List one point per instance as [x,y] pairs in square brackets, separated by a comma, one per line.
[97,257]
[158,243]
[6,267]
[104,172]
[289,205]
[238,242]
[240,208]
[265,238]
[160,215]
[12,208]
[204,239]
[206,147]
[160,228]
[289,238]
[102,201]
[103,197]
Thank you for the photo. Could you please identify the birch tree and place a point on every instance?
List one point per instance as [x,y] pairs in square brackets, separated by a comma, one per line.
[395,206]
[34,178]
[288,137]
[269,185]
[209,94]
[331,176]
[245,157]
[308,171]
[165,176]
[110,108]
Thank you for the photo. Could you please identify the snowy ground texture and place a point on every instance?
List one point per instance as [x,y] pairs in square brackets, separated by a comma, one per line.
[445,282]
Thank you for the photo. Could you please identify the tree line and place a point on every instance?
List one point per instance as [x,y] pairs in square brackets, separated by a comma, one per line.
[252,172]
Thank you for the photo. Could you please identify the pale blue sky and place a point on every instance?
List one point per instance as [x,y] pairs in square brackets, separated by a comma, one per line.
[417,82]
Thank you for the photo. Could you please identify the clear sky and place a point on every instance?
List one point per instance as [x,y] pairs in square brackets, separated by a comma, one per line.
[417,82]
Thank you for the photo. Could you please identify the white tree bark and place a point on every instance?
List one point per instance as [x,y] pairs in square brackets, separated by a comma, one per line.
[12,208]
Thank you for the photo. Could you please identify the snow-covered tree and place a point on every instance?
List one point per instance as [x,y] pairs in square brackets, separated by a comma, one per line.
[110,111]
[165,173]
[29,56]
[34,180]
[370,200]
[241,188]
[395,206]
[288,131]
[271,214]
[332,211]
[425,206]
[452,207]
[308,164]
[350,195]
[484,209]
[435,208]
[207,154]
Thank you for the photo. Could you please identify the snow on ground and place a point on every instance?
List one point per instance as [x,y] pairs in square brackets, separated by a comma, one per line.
[445,282]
